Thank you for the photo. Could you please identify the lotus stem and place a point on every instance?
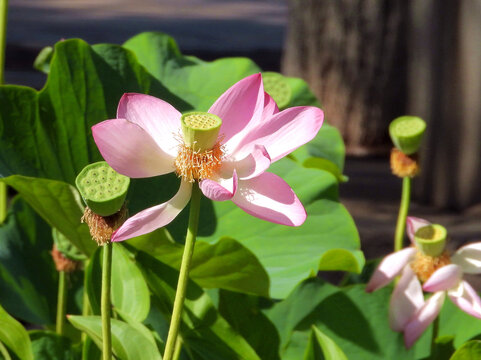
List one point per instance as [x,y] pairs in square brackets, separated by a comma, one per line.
[434,334]
[403,212]
[3,37]
[105,302]
[61,302]
[4,352]
[3,33]
[184,273]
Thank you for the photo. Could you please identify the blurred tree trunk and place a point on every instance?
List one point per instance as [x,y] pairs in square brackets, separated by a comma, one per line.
[445,89]
[370,61]
[351,52]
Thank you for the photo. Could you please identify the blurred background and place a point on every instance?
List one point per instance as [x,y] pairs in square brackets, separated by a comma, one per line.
[368,61]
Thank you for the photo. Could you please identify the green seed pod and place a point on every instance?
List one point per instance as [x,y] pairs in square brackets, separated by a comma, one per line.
[277,87]
[407,133]
[200,130]
[102,188]
[431,239]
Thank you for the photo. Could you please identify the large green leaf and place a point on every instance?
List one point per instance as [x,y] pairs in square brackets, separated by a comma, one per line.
[243,313]
[454,322]
[28,280]
[469,351]
[198,82]
[226,264]
[356,321]
[59,204]
[129,291]
[47,133]
[203,330]
[14,336]
[47,345]
[128,343]
[321,347]
[328,240]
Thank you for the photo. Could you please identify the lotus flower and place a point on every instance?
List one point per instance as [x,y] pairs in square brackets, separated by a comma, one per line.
[145,140]
[408,311]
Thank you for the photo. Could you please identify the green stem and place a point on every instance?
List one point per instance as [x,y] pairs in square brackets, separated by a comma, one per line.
[403,212]
[3,37]
[61,302]
[184,272]
[4,352]
[178,347]
[435,334]
[85,300]
[3,33]
[105,302]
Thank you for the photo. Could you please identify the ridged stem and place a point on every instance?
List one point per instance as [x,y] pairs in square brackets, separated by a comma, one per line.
[435,334]
[184,273]
[61,302]
[178,348]
[85,312]
[403,212]
[105,302]
[4,352]
[3,35]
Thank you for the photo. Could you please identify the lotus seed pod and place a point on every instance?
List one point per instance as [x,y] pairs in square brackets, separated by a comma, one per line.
[276,86]
[431,239]
[102,188]
[200,130]
[407,133]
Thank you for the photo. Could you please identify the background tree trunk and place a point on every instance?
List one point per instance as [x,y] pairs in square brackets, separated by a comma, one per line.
[351,53]
[370,61]
[445,89]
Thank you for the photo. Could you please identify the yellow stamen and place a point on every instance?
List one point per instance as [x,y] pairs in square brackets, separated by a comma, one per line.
[63,263]
[424,265]
[192,165]
[102,227]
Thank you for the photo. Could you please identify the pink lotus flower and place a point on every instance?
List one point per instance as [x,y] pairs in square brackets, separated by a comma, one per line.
[408,311]
[145,140]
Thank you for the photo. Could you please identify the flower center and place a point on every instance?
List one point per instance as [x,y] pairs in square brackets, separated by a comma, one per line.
[431,239]
[200,153]
[425,265]
[200,130]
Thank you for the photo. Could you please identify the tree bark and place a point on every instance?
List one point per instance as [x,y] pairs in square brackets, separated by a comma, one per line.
[445,89]
[352,54]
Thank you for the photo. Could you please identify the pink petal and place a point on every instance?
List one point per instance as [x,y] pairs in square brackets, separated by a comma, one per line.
[283,132]
[251,166]
[389,268]
[270,198]
[444,278]
[155,217]
[469,258]
[466,298]
[160,119]
[270,106]
[241,104]
[413,224]
[130,150]
[406,300]
[220,189]
[421,320]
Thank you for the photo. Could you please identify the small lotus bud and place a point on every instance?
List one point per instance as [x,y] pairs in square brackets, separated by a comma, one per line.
[407,133]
